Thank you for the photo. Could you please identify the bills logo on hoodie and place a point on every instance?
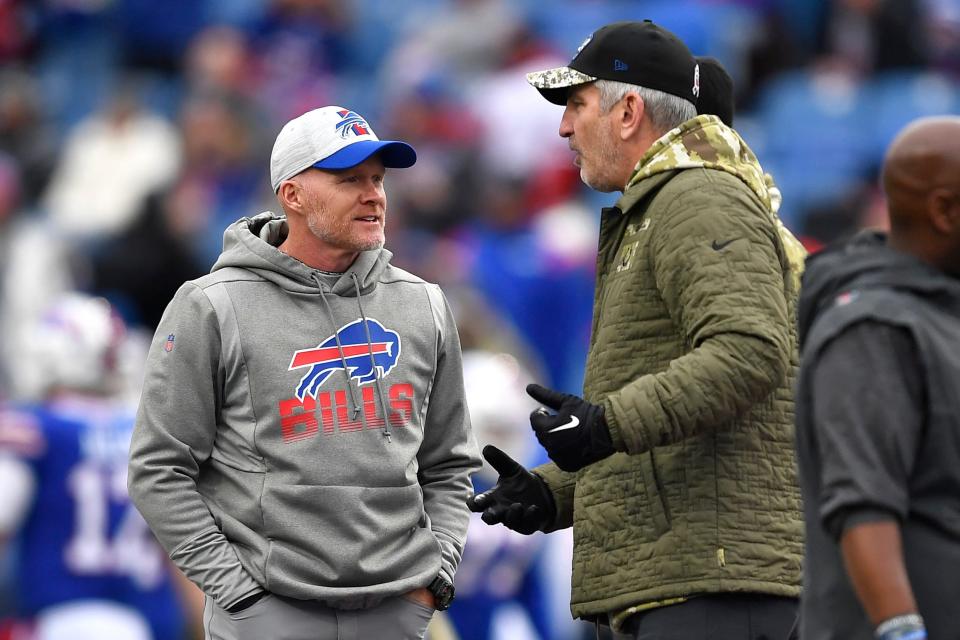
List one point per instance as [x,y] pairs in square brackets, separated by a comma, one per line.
[315,411]
[325,359]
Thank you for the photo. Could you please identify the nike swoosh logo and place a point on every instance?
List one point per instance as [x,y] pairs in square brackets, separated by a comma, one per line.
[717,246]
[573,424]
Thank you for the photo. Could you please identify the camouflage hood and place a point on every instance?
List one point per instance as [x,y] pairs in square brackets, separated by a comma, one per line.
[705,142]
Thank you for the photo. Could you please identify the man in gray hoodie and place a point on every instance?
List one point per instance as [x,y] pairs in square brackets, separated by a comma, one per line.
[303,449]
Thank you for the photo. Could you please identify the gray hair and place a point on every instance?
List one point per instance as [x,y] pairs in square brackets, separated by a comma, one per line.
[665,110]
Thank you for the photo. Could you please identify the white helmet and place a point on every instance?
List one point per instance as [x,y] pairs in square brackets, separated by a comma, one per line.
[75,346]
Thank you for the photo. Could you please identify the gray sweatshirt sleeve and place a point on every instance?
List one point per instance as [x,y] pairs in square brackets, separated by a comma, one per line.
[173,437]
[448,455]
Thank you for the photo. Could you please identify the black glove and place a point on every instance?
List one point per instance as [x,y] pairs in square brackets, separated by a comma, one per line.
[520,499]
[577,435]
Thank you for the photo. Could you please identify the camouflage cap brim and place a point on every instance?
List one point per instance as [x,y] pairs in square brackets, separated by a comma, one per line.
[553,83]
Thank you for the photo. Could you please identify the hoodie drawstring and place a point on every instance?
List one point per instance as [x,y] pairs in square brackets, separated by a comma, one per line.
[373,362]
[336,335]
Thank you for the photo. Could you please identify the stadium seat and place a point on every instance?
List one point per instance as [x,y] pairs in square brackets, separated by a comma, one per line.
[896,98]
[816,138]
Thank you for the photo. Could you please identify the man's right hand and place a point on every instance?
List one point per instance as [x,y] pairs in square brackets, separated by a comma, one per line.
[520,500]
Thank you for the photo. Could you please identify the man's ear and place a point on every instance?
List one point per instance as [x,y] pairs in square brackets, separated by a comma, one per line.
[943,206]
[290,195]
[631,110]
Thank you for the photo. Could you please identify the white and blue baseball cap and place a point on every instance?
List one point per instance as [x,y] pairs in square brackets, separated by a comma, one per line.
[331,138]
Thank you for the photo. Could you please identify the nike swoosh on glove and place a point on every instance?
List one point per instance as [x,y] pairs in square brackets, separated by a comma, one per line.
[520,500]
[576,435]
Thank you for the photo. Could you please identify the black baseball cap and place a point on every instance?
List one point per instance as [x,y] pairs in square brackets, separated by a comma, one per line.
[716,90]
[640,53]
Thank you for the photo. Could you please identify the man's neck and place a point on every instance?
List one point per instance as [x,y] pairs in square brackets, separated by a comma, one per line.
[921,249]
[326,259]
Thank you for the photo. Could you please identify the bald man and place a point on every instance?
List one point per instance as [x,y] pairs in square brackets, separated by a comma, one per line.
[878,409]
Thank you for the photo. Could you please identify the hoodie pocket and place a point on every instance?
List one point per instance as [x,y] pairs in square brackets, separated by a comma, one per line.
[346,536]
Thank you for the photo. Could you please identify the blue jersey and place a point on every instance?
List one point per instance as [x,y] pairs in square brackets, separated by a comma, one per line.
[499,569]
[83,538]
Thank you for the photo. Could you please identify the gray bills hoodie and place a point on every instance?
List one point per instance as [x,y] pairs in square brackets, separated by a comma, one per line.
[304,433]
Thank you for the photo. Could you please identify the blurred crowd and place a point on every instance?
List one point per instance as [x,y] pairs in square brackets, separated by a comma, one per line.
[132,132]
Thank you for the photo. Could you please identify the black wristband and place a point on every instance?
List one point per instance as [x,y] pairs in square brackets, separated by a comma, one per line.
[246,603]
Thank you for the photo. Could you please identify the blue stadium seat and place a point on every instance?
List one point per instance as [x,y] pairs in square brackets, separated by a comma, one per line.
[896,98]
[817,140]
[702,25]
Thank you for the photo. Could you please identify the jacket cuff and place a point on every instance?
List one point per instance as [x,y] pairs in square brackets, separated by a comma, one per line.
[613,426]
[632,439]
[551,476]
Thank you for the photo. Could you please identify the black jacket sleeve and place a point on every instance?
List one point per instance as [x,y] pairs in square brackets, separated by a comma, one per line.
[868,416]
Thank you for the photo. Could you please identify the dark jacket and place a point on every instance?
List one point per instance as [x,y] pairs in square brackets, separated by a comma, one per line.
[856,464]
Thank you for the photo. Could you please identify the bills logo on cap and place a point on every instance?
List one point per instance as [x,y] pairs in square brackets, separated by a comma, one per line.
[352,123]
[324,359]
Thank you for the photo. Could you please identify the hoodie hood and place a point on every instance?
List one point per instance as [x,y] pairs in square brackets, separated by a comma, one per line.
[867,262]
[251,243]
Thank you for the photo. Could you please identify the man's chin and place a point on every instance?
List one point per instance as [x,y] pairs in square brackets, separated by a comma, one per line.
[370,246]
[597,186]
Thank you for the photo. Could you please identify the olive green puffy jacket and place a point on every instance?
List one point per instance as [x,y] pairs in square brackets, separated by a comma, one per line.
[693,355]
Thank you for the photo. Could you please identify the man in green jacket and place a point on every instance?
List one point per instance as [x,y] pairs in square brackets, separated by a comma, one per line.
[675,469]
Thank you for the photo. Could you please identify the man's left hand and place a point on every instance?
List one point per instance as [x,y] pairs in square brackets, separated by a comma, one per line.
[576,435]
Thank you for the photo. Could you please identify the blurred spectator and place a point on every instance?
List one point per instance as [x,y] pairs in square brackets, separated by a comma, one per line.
[219,61]
[860,206]
[24,132]
[140,269]
[439,192]
[778,44]
[111,161]
[537,270]
[222,175]
[944,34]
[868,36]
[154,35]
[36,265]
[520,138]
[297,47]
[17,30]
[77,57]
[462,39]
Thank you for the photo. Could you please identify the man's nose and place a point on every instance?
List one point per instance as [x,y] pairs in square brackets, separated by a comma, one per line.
[566,126]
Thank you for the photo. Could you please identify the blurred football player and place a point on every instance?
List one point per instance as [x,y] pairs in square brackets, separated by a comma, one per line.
[498,583]
[85,564]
